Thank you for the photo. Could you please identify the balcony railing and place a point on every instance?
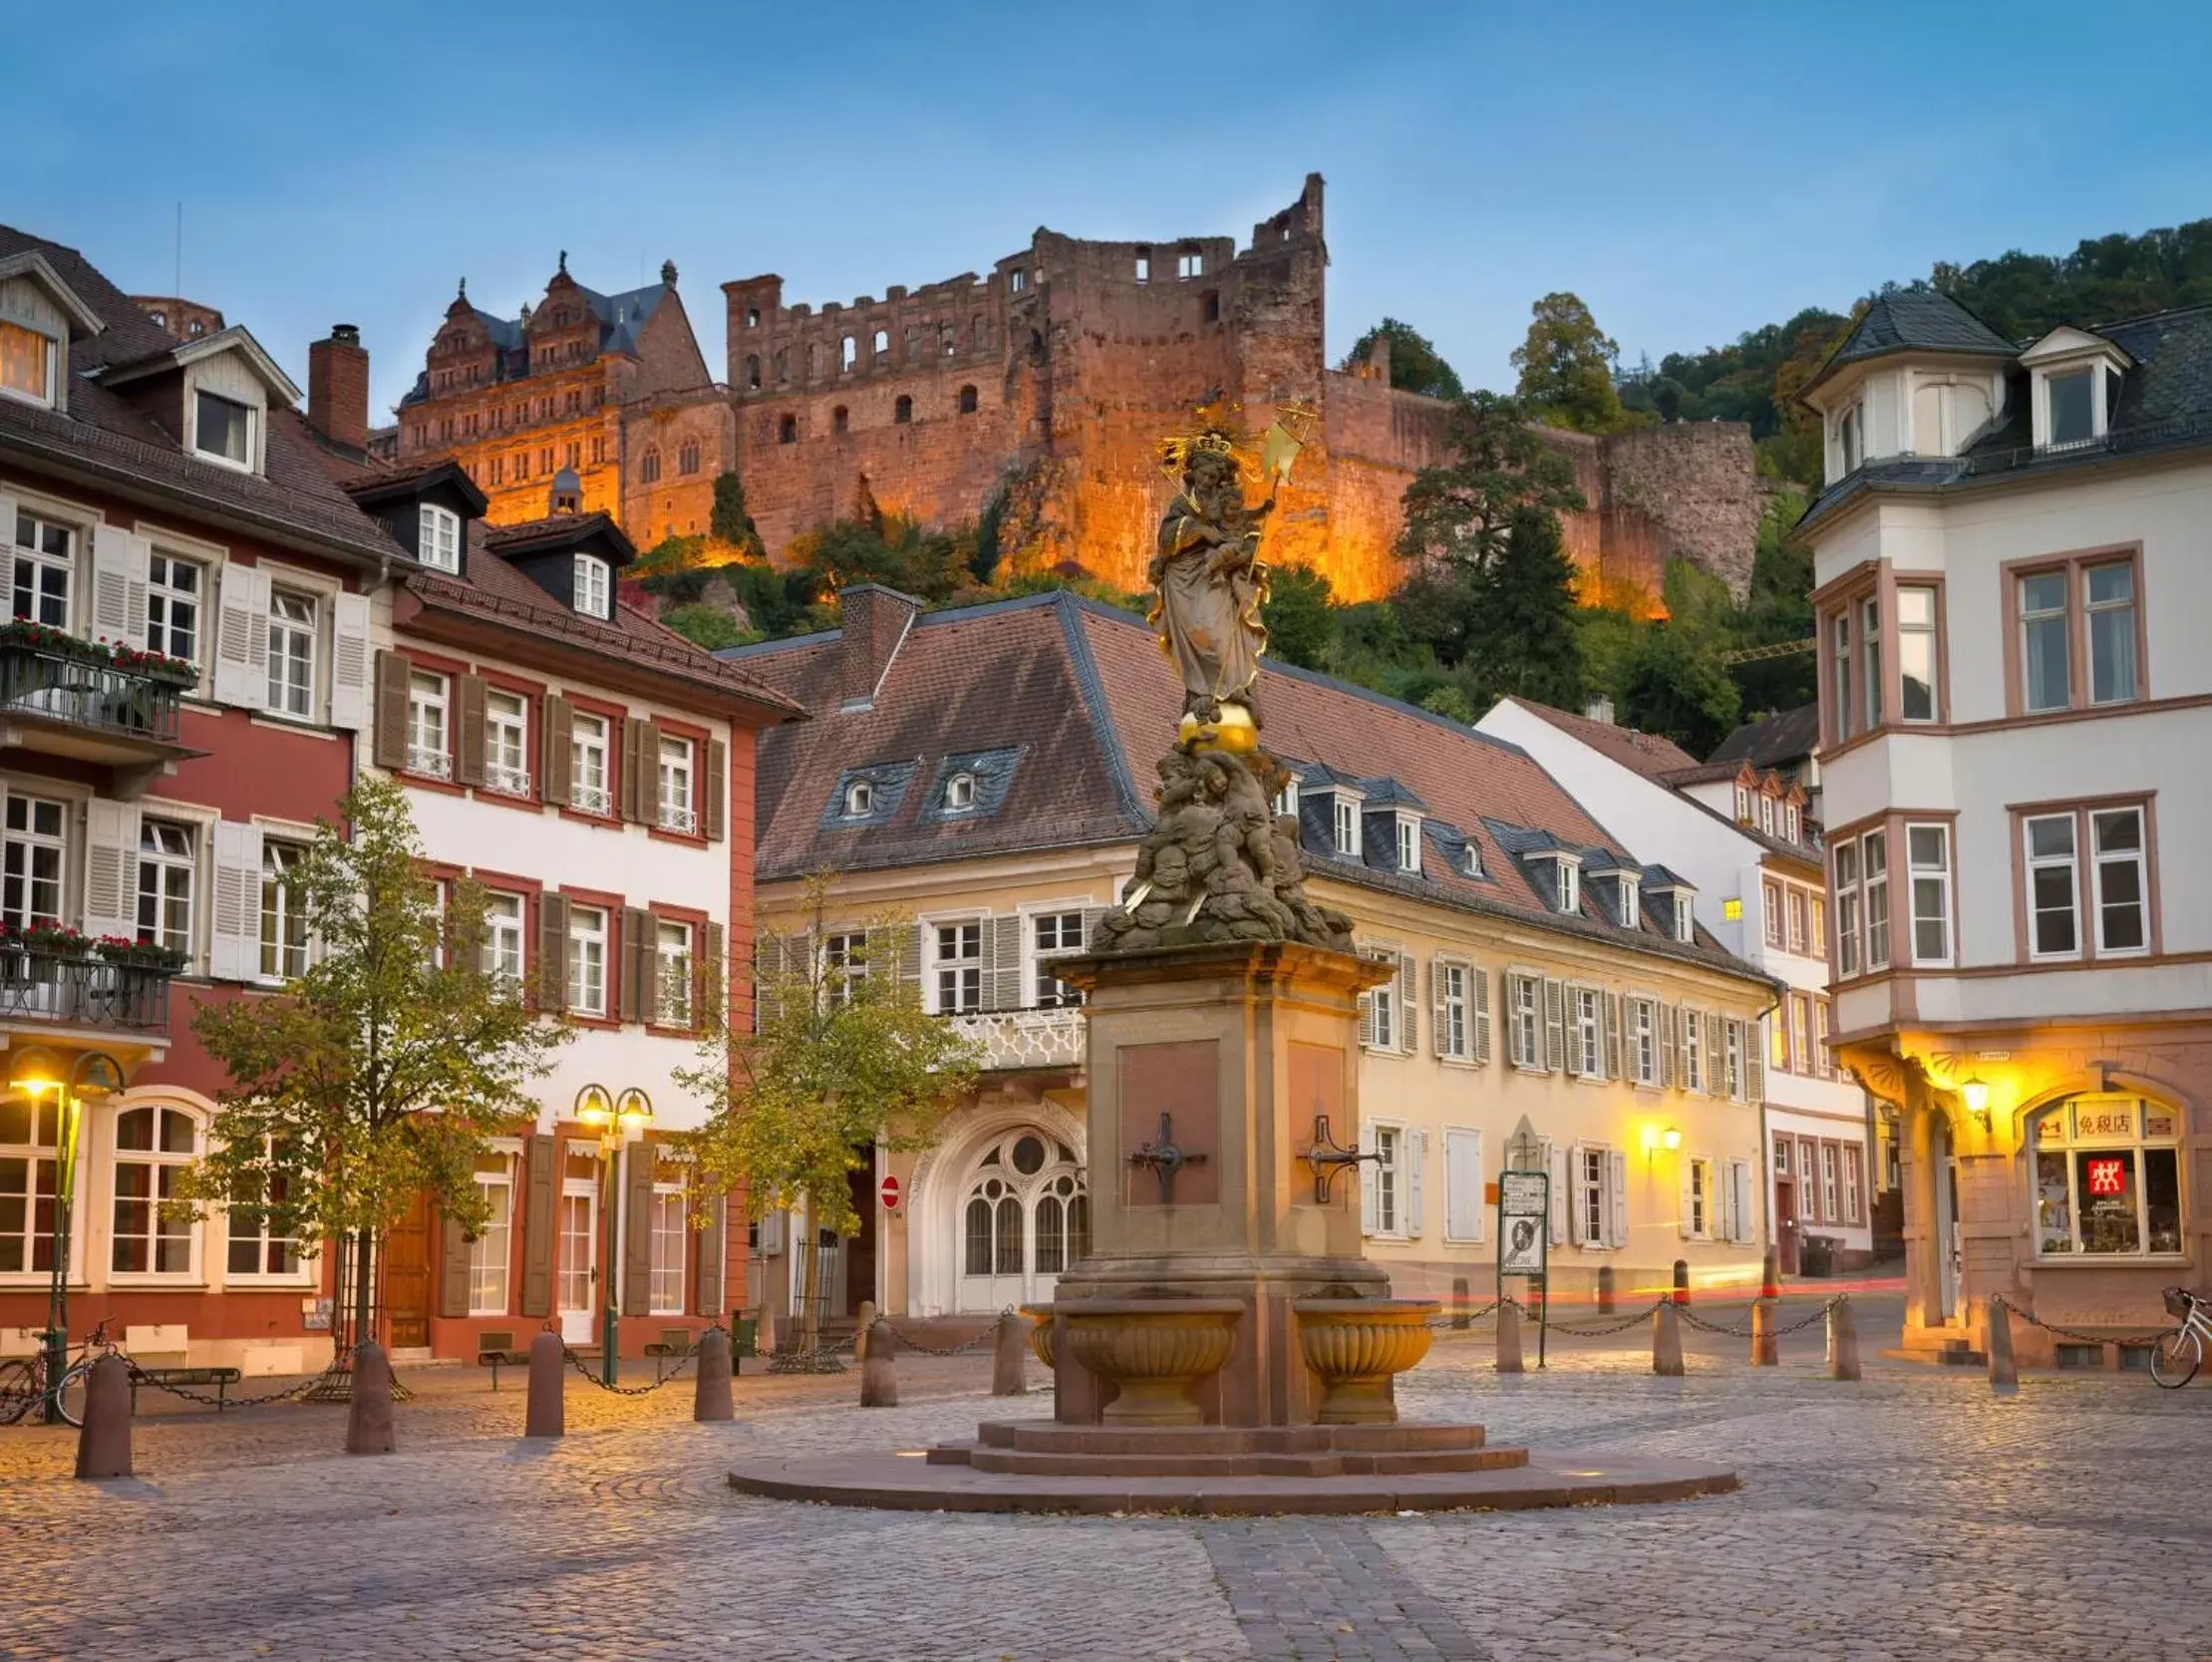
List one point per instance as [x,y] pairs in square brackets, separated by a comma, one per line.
[1025,1038]
[38,986]
[102,697]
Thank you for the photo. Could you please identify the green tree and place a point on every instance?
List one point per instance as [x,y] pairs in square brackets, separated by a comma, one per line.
[1566,366]
[709,626]
[1449,700]
[1296,617]
[1416,366]
[730,521]
[844,1060]
[1674,685]
[1521,637]
[1457,512]
[375,1077]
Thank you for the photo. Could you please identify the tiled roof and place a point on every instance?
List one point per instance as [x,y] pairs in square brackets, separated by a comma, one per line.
[295,501]
[1769,742]
[1014,674]
[1648,754]
[1915,319]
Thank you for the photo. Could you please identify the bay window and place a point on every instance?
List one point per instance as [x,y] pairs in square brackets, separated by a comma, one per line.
[1870,663]
[2053,900]
[1848,908]
[2122,892]
[1917,649]
[2107,1177]
[1928,858]
[1874,855]
[2077,638]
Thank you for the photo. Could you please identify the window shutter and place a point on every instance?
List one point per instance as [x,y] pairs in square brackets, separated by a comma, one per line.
[1716,1065]
[1754,1064]
[1438,1030]
[111,865]
[1369,1204]
[1555,1026]
[714,812]
[1463,1184]
[1616,1198]
[349,669]
[557,765]
[1740,1200]
[637,1228]
[1002,963]
[234,926]
[1555,1162]
[1367,1020]
[467,734]
[640,947]
[1417,1166]
[630,792]
[119,575]
[1684,1016]
[1609,1012]
[552,953]
[708,976]
[453,1270]
[1091,917]
[1684,1165]
[714,1241]
[387,731]
[537,1226]
[768,972]
[1662,1041]
[242,638]
[1408,1021]
[1479,981]
[910,956]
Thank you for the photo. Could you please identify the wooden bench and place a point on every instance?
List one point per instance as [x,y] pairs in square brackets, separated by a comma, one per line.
[497,1351]
[674,1342]
[223,1379]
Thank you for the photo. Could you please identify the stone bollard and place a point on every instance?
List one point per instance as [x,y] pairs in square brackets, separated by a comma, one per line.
[1459,1317]
[1769,1275]
[1843,1341]
[104,1442]
[710,1396]
[1605,1290]
[369,1412]
[878,1376]
[1667,1342]
[1509,1339]
[1009,1348]
[2004,1371]
[1765,1345]
[1681,1280]
[860,1331]
[547,1414]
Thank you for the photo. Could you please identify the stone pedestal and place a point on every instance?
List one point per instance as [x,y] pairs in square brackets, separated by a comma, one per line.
[1242,1048]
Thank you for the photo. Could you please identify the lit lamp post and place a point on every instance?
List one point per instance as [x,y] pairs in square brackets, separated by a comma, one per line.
[617,1120]
[35,1077]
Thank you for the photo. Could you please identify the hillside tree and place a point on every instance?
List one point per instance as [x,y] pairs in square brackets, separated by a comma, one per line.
[1566,367]
[1415,364]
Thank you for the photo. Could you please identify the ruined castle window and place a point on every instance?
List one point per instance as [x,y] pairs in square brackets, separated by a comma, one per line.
[446,431]
[575,401]
[1017,279]
[545,460]
[786,430]
[978,335]
[521,466]
[948,341]
[499,470]
[649,469]
[782,367]
[839,422]
[1210,305]
[880,344]
[967,401]
[752,317]
[904,410]
[1190,264]
[1144,265]
[848,354]
[598,449]
[687,458]
[575,454]
[753,371]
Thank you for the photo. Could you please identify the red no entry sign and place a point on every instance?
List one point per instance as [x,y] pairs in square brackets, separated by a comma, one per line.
[889,1191]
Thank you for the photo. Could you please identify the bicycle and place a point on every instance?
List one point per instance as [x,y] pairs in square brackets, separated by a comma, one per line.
[2176,1357]
[23,1383]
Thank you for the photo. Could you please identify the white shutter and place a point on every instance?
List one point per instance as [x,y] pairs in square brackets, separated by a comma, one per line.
[235,941]
[119,574]
[349,662]
[1663,1042]
[1408,1038]
[1478,984]
[1002,965]
[1555,1161]
[1754,1062]
[111,865]
[1682,1166]
[1555,1026]
[1369,1204]
[1439,1034]
[243,637]
[1417,1161]
[1740,1200]
[1616,1198]
[1609,1013]
[1463,1184]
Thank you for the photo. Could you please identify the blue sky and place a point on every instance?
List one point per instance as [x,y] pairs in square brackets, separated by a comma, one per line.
[1691,170]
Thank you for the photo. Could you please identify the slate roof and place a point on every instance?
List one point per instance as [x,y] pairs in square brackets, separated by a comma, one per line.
[108,439]
[1081,690]
[1770,742]
[1915,320]
[1650,754]
[621,318]
[2165,403]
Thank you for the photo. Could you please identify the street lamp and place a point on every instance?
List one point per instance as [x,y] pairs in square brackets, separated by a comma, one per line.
[617,1118]
[36,1073]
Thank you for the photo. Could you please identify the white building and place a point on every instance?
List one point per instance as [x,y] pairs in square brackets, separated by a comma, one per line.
[1743,839]
[2013,574]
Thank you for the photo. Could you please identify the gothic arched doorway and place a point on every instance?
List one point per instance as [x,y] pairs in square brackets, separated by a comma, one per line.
[1023,1216]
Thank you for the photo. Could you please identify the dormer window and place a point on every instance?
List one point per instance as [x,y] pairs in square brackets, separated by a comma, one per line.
[1686,929]
[1628,902]
[1470,860]
[1743,805]
[960,793]
[1286,800]
[1850,439]
[1348,826]
[222,430]
[594,586]
[2072,402]
[26,364]
[1570,886]
[1793,824]
[860,798]
[1409,845]
[439,539]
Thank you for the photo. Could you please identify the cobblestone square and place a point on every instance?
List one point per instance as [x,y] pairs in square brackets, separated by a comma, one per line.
[1909,1516]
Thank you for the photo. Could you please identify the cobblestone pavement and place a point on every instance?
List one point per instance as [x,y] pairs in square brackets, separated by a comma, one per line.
[1906,1517]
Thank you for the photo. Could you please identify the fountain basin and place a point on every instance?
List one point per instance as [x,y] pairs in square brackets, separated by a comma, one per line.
[1040,1331]
[1155,1350]
[1357,1345]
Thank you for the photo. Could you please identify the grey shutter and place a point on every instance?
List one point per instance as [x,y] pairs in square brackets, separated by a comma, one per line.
[111,864]
[1754,1063]
[552,953]
[638,950]
[469,690]
[714,1239]
[910,956]
[1367,1020]
[1369,1206]
[637,1228]
[1408,1020]
[349,661]
[1091,917]
[709,1008]
[1662,1041]
[1616,1197]
[119,576]
[768,970]
[1438,1028]
[1002,963]
[1555,1027]
[537,1225]
[556,766]
[1555,1164]
[714,815]
[630,793]
[1416,1182]
[1609,1012]
[453,1270]
[1478,982]
[388,726]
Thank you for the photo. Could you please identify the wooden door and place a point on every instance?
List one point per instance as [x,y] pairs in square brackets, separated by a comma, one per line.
[1786,1220]
[407,1277]
[861,1249]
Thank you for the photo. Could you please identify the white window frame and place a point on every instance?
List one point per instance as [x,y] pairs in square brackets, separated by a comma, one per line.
[590,752]
[958,965]
[1043,984]
[1346,823]
[279,914]
[158,1161]
[1874,902]
[429,716]
[1590,1173]
[1686,917]
[1588,1030]
[2093,609]
[1569,877]
[1732,1052]
[505,935]
[1453,1032]
[263,1237]
[860,798]
[50,354]
[678,776]
[42,563]
[2033,864]
[667,1206]
[1526,1013]
[2027,619]
[1693,1048]
[438,534]
[1938,875]
[507,742]
[168,871]
[1644,1041]
[491,1254]
[593,591]
[2139,859]
[250,461]
[1385,1020]
[960,793]
[2046,410]
[1925,636]
[1698,1194]
[1391,1142]
[672,964]
[587,960]
[1409,845]
[295,621]
[164,597]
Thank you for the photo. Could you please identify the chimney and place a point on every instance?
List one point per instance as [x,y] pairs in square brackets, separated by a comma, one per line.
[338,388]
[876,621]
[1600,709]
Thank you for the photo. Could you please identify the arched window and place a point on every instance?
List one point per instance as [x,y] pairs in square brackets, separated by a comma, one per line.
[786,430]
[649,469]
[960,793]
[967,401]
[839,422]
[753,371]
[860,798]
[2107,1177]
[782,366]
[848,354]
[30,1142]
[152,1144]
[881,344]
[687,457]
[904,410]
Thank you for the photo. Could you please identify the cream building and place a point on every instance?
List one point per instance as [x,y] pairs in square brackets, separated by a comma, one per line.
[978,773]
